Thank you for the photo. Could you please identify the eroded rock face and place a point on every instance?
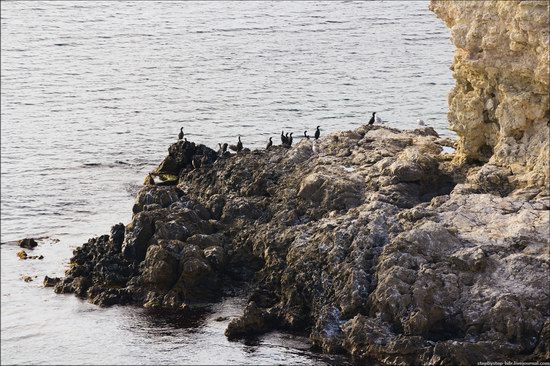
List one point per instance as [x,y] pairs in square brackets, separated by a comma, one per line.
[500,105]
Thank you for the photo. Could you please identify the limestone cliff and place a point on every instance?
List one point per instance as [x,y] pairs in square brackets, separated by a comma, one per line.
[499,106]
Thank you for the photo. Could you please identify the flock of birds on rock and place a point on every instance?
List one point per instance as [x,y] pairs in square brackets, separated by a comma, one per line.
[286,138]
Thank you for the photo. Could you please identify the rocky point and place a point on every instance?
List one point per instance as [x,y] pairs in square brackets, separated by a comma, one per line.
[374,242]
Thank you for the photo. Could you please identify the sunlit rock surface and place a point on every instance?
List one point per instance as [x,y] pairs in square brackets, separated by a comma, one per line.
[500,106]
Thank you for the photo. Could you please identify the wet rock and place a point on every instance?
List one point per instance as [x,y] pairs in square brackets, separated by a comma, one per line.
[156,197]
[23,255]
[215,255]
[26,278]
[51,281]
[253,321]
[204,241]
[161,264]
[198,280]
[117,235]
[140,231]
[28,243]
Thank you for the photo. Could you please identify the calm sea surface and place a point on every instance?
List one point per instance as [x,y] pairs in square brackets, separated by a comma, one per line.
[92,95]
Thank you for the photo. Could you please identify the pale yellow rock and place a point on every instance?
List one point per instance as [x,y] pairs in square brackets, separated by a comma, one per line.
[500,104]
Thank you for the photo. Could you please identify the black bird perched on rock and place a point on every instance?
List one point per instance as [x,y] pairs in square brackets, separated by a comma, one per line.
[283,138]
[181,134]
[223,149]
[270,143]
[290,140]
[306,135]
[317,133]
[371,121]
[239,145]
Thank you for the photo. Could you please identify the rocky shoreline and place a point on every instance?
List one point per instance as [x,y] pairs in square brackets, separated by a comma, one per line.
[373,242]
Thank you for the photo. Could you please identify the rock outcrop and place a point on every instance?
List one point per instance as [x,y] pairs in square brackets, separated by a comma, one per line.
[371,241]
[374,242]
[500,105]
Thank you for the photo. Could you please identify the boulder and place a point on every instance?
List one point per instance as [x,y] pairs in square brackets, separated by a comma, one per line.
[117,235]
[28,243]
[51,281]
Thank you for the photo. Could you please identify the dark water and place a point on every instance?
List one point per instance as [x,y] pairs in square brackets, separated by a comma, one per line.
[92,95]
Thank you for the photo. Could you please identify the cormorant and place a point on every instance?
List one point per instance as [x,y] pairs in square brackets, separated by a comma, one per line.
[283,138]
[371,121]
[305,135]
[239,145]
[317,133]
[270,143]
[181,134]
[223,149]
[290,140]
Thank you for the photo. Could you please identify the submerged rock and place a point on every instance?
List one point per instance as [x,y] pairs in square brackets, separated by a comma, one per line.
[23,255]
[51,281]
[28,243]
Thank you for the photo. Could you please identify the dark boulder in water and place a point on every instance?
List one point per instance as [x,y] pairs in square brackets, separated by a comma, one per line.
[28,243]
[51,281]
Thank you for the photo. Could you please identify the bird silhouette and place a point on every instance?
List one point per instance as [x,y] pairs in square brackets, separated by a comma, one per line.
[181,134]
[306,135]
[317,133]
[371,121]
[270,143]
[283,138]
[239,145]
